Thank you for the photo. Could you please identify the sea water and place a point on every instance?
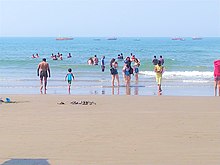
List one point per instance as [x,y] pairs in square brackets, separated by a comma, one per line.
[188,65]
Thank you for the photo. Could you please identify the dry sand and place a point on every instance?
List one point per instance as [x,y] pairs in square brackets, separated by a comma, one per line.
[118,130]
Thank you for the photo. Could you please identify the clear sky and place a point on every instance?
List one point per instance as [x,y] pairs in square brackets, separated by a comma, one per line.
[108,18]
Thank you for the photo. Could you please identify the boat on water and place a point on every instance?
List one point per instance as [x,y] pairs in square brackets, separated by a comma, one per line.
[178,38]
[64,38]
[112,38]
[97,39]
[197,38]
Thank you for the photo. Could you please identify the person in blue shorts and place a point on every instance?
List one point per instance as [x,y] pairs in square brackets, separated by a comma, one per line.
[136,67]
[69,77]
[127,74]
[103,63]
[114,72]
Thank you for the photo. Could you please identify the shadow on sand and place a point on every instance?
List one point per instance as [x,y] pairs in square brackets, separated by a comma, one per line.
[26,162]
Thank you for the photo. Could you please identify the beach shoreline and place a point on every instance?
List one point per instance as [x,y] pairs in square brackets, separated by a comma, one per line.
[182,76]
[121,130]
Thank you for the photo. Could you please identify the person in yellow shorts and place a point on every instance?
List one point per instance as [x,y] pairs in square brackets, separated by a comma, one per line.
[159,71]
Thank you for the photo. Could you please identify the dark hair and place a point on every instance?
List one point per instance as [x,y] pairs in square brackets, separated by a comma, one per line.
[69,70]
[160,56]
[155,56]
[44,59]
[111,62]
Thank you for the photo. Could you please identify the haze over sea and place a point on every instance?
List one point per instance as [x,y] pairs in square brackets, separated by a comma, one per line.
[188,65]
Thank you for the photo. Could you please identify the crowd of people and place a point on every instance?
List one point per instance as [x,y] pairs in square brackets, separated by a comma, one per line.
[130,67]
[58,56]
[35,56]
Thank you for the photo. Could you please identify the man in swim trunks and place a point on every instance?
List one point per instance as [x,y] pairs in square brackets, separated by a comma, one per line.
[43,71]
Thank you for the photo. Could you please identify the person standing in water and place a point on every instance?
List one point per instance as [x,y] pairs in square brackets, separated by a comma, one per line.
[136,68]
[103,63]
[43,71]
[114,72]
[159,71]
[161,60]
[69,77]
[217,77]
[155,61]
[96,60]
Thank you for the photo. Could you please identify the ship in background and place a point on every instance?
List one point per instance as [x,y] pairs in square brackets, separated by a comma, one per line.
[197,38]
[64,38]
[178,38]
[112,38]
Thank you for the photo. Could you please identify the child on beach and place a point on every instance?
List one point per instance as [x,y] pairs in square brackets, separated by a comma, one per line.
[69,77]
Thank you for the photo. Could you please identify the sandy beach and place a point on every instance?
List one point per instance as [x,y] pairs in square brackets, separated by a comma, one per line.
[117,130]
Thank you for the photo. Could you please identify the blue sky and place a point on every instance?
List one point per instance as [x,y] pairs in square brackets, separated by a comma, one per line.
[107,18]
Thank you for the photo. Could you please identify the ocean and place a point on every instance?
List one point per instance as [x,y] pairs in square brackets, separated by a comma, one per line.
[188,65]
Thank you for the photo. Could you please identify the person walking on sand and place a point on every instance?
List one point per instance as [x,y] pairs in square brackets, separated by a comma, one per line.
[69,77]
[217,76]
[43,71]
[159,71]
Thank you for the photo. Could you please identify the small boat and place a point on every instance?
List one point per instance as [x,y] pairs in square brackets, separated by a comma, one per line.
[97,39]
[64,38]
[197,38]
[112,38]
[178,38]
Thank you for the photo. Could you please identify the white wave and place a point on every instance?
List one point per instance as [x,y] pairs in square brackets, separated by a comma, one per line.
[179,74]
[195,81]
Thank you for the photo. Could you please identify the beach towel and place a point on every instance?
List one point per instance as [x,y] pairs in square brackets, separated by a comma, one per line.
[216,68]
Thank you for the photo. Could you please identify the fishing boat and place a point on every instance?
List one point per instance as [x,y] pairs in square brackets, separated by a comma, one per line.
[178,38]
[112,38]
[197,38]
[97,39]
[64,38]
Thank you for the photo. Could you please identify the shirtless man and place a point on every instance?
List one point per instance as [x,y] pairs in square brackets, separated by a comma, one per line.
[44,70]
